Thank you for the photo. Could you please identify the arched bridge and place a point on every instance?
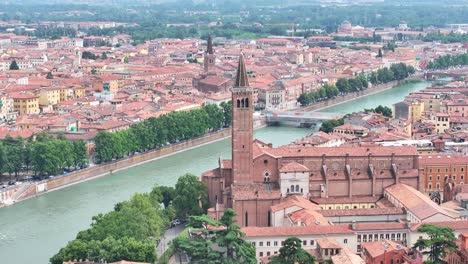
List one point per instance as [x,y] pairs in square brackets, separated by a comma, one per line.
[302,119]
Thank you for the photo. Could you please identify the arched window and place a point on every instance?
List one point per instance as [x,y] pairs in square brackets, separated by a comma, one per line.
[287,190]
[247,102]
[297,188]
[292,188]
[242,103]
[246,218]
[238,103]
[302,190]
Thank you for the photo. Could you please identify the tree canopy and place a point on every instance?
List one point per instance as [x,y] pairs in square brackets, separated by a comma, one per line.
[202,249]
[126,233]
[440,242]
[14,65]
[292,253]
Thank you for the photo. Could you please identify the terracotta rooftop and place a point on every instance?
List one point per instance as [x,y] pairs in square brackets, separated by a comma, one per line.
[255,191]
[328,243]
[335,200]
[293,167]
[455,225]
[362,211]
[294,200]
[414,201]
[288,231]
[346,256]
[378,248]
[442,159]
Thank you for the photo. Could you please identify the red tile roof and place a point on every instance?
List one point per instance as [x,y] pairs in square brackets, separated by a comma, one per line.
[288,231]
[293,167]
[414,201]
[427,160]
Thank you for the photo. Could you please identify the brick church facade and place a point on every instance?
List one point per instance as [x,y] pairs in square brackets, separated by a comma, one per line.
[260,176]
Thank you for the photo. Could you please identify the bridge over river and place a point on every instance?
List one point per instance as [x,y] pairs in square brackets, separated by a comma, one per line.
[297,118]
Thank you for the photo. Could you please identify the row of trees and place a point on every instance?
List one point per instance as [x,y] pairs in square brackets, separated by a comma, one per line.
[328,91]
[157,132]
[92,56]
[445,38]
[41,157]
[131,230]
[398,71]
[448,60]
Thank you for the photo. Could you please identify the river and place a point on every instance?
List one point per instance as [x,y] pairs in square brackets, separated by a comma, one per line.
[33,230]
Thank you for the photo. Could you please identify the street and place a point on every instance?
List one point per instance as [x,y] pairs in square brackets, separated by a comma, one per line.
[170,234]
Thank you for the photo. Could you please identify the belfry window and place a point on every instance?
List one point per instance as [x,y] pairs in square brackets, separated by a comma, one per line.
[246,218]
[247,102]
[238,103]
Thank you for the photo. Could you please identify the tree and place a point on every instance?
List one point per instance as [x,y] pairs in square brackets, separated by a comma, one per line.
[88,55]
[384,110]
[227,109]
[49,75]
[80,154]
[191,198]
[304,99]
[380,55]
[104,56]
[126,60]
[292,253]
[329,125]
[237,249]
[3,158]
[343,85]
[105,148]
[14,65]
[440,242]
[163,194]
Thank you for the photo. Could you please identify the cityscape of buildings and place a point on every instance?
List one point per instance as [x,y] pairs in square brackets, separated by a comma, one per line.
[357,194]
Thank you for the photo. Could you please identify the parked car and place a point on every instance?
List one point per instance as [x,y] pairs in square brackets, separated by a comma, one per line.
[175,222]
[11,183]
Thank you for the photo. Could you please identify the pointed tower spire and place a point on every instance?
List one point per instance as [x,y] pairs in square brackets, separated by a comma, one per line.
[241,78]
[209,48]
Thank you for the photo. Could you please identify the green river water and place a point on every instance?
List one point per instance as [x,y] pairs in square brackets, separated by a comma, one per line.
[33,230]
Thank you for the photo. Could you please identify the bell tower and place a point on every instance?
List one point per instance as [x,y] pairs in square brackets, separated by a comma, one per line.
[209,58]
[242,127]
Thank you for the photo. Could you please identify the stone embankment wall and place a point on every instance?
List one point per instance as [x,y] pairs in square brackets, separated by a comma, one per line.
[347,97]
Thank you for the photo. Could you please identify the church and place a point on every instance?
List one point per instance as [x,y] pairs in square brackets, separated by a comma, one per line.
[260,176]
[209,81]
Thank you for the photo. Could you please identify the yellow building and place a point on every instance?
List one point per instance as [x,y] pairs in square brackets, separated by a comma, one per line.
[417,110]
[441,122]
[24,103]
[66,94]
[49,96]
[79,91]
